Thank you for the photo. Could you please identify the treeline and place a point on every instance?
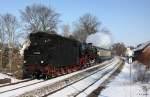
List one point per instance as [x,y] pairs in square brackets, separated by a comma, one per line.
[38,17]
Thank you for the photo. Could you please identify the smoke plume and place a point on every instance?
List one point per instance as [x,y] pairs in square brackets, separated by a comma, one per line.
[100,39]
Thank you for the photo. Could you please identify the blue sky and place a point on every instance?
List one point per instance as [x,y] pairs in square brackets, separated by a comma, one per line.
[127,20]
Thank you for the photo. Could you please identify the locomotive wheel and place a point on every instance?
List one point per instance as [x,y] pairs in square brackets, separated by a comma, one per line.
[62,71]
[26,74]
[37,74]
[46,77]
[33,76]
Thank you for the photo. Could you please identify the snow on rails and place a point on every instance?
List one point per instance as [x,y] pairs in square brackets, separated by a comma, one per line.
[87,77]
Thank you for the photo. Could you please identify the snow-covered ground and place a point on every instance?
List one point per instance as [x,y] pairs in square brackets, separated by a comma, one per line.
[3,76]
[16,92]
[84,87]
[19,85]
[129,84]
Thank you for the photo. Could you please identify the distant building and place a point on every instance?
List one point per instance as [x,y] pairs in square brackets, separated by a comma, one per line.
[142,53]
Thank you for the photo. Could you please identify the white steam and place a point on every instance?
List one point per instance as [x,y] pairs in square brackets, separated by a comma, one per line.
[100,39]
[26,44]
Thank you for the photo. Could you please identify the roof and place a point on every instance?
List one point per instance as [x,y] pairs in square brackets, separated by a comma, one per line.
[103,48]
[142,46]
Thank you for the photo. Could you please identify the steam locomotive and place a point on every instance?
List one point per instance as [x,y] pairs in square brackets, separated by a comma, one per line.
[51,55]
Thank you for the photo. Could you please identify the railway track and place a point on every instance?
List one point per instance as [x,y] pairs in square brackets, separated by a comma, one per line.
[111,71]
[45,88]
[8,84]
[80,86]
[18,85]
[89,74]
[56,86]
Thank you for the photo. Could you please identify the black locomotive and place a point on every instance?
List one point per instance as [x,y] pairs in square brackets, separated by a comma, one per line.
[51,55]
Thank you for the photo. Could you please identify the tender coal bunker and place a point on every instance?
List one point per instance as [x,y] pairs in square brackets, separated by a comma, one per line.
[54,48]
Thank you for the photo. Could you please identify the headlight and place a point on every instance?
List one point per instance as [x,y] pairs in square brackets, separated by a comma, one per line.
[24,61]
[36,53]
[42,61]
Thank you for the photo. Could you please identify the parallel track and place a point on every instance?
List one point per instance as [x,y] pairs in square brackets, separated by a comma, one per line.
[68,81]
[15,83]
[76,81]
[114,68]
[15,86]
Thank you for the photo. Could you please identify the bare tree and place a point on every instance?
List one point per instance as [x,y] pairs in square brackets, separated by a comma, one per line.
[119,49]
[66,30]
[9,27]
[87,25]
[1,44]
[40,18]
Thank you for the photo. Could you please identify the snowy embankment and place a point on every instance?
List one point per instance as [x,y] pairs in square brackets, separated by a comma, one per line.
[131,82]
[4,76]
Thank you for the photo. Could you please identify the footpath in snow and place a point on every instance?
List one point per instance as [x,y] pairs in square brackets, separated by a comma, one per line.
[129,84]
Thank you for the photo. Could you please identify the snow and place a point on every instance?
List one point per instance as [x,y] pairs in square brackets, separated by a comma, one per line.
[11,87]
[89,90]
[85,83]
[135,90]
[3,76]
[142,46]
[128,84]
[16,92]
